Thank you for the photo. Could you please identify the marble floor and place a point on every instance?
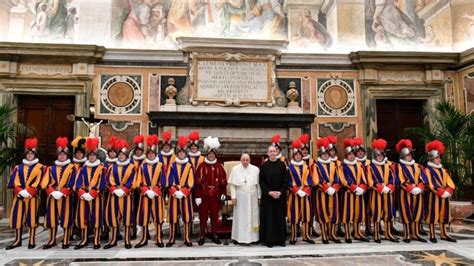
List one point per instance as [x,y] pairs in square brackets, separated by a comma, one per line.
[357,253]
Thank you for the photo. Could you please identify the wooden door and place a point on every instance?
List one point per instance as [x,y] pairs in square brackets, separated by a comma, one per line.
[46,116]
[393,116]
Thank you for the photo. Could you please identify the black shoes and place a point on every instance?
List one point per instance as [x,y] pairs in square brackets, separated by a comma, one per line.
[348,240]
[292,242]
[96,246]
[433,240]
[407,240]
[309,241]
[169,244]
[363,239]
[31,246]
[449,239]
[201,241]
[160,245]
[139,245]
[13,246]
[336,240]
[80,246]
[188,244]
[128,246]
[48,246]
[110,245]
[66,246]
[378,241]
[420,239]
[325,241]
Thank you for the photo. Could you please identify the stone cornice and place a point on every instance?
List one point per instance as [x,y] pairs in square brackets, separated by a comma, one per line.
[50,53]
[425,60]
[196,44]
[466,58]
[144,56]
[307,59]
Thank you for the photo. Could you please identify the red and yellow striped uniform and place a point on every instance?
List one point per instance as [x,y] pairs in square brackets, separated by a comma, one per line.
[120,209]
[439,181]
[89,212]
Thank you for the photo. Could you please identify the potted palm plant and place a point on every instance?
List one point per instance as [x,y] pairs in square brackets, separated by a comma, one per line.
[456,130]
[9,152]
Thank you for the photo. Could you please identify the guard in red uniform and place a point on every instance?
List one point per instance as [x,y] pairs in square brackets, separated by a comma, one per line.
[25,180]
[211,183]
[441,189]
[59,182]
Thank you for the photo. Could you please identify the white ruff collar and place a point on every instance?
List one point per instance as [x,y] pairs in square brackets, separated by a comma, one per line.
[333,159]
[379,163]
[154,161]
[439,166]
[183,161]
[278,156]
[166,153]
[300,163]
[34,161]
[307,157]
[210,162]
[412,162]
[350,162]
[110,160]
[79,160]
[324,161]
[139,158]
[58,163]
[194,154]
[361,159]
[124,163]
[92,164]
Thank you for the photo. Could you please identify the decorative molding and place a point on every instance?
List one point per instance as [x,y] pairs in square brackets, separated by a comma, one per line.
[121,94]
[336,97]
[337,127]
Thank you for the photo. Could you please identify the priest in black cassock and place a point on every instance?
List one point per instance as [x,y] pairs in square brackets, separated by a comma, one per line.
[274,185]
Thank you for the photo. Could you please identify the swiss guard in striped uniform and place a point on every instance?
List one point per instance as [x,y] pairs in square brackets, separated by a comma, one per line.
[355,183]
[78,159]
[381,180]
[59,182]
[412,179]
[441,189]
[25,180]
[194,155]
[361,157]
[137,159]
[152,201]
[276,143]
[211,186]
[327,207]
[110,159]
[167,155]
[333,150]
[180,181]
[119,208]
[300,182]
[89,186]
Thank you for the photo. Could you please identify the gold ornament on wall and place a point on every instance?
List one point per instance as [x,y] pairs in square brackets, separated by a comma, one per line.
[171,91]
[292,95]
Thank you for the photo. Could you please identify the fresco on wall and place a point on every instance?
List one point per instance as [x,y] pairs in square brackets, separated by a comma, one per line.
[309,26]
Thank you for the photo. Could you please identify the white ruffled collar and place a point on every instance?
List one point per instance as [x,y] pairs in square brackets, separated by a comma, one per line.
[34,161]
[83,160]
[438,166]
[362,159]
[139,158]
[307,157]
[300,163]
[183,161]
[380,163]
[210,162]
[194,154]
[324,161]
[278,156]
[333,159]
[111,160]
[350,162]
[58,163]
[166,153]
[412,162]
[154,161]
[124,163]
[92,164]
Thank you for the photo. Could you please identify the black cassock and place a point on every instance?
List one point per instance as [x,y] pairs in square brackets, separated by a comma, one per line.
[273,177]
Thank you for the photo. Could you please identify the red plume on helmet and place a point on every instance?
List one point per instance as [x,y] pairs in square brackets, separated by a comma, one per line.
[122,146]
[31,143]
[323,145]
[92,144]
[379,144]
[357,141]
[332,139]
[276,140]
[403,143]
[304,140]
[111,143]
[139,141]
[152,143]
[193,137]
[348,142]
[435,145]
[296,144]
[182,141]
[166,137]
[61,145]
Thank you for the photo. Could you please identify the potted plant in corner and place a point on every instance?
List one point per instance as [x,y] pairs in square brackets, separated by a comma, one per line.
[456,130]
[9,152]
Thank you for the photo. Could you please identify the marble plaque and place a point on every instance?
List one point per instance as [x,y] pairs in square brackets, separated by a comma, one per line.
[247,80]
[44,70]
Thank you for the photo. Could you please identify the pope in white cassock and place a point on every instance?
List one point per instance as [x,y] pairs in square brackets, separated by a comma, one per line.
[245,194]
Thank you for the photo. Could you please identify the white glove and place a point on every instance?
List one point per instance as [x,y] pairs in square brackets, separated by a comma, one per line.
[24,194]
[57,195]
[359,191]
[119,192]
[198,201]
[301,193]
[223,197]
[150,193]
[178,194]
[87,197]
[331,191]
[416,191]
[386,190]
[445,195]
